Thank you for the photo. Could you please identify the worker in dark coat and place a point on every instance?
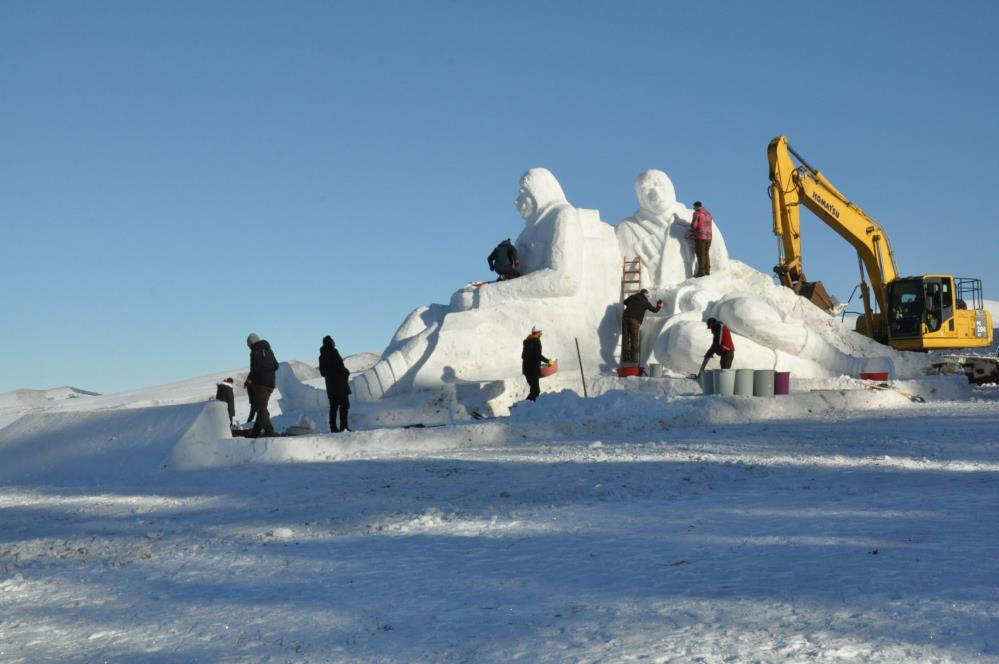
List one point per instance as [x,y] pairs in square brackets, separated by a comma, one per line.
[332,368]
[261,382]
[635,307]
[224,392]
[721,343]
[531,360]
[504,261]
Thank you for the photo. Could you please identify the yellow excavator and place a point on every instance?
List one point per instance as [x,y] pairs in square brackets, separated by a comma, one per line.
[928,312]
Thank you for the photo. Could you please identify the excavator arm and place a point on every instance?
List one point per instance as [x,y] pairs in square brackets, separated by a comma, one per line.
[792,186]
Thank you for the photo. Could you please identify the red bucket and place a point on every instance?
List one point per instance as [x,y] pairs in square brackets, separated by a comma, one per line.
[879,376]
[548,371]
[624,372]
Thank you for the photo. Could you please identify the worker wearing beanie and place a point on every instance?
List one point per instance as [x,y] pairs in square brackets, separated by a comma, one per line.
[531,361]
[332,368]
[261,382]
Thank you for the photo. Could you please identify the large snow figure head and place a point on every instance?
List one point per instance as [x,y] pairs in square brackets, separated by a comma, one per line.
[657,234]
[539,191]
[655,191]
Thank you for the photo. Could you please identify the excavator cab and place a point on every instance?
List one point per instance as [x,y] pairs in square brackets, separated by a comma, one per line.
[931,312]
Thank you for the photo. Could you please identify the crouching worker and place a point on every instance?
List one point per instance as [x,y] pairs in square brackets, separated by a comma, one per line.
[260,382]
[332,368]
[504,261]
[532,359]
[721,343]
[223,392]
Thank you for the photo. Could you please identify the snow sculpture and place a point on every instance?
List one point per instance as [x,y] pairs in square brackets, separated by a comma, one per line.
[571,265]
[772,328]
[571,270]
[657,233]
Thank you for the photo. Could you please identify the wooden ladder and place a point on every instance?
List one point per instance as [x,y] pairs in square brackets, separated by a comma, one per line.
[631,283]
[631,277]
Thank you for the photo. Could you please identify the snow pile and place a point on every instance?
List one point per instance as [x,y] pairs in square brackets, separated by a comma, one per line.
[571,288]
[90,446]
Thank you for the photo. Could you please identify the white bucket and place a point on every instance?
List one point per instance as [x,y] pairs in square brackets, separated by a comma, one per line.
[744,382]
[655,370]
[725,382]
[763,383]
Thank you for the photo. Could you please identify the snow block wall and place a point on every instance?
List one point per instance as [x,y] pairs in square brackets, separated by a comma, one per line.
[571,289]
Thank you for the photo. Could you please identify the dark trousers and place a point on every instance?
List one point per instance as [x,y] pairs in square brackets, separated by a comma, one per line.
[341,404]
[508,274]
[702,249]
[630,339]
[259,396]
[253,409]
[726,359]
[534,382]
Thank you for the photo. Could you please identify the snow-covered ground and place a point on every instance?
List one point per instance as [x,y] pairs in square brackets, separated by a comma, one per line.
[842,524]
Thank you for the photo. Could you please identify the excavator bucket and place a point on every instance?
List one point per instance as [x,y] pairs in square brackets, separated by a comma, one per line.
[816,293]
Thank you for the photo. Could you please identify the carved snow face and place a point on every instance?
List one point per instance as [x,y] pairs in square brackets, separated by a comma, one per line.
[526,205]
[655,192]
[538,191]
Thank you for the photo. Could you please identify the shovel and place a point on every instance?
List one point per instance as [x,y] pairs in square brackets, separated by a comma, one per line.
[700,371]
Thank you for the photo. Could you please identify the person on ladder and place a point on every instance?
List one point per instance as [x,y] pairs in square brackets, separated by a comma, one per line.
[635,307]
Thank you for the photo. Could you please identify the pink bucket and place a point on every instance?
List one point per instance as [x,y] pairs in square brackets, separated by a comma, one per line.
[782,382]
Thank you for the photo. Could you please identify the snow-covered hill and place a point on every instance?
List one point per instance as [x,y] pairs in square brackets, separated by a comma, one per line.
[842,524]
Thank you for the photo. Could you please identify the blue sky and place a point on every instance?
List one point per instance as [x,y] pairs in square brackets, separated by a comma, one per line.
[176,175]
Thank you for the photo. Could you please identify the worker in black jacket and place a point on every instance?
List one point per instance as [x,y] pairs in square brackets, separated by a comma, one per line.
[332,368]
[224,392]
[261,382]
[635,307]
[504,261]
[531,360]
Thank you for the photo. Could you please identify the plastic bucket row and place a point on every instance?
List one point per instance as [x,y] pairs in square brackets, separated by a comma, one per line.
[746,382]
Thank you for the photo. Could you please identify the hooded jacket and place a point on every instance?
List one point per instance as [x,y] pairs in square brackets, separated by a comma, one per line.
[263,365]
[503,258]
[332,368]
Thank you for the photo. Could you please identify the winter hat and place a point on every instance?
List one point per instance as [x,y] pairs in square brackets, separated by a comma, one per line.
[229,380]
[328,341]
[252,339]
[535,329]
[697,204]
[711,322]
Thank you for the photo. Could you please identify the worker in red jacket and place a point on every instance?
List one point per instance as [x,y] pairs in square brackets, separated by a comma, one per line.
[721,343]
[700,232]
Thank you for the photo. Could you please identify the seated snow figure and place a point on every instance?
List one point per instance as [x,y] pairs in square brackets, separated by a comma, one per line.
[570,274]
[657,233]
[550,247]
